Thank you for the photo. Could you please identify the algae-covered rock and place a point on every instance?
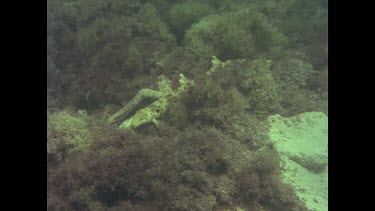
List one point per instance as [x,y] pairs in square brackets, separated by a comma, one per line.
[292,73]
[67,133]
[243,33]
[239,84]
[302,142]
[181,16]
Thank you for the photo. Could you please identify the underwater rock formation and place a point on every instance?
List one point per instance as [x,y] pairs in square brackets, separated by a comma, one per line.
[302,142]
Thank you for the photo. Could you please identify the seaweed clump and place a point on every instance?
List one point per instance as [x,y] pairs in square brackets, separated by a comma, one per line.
[194,169]
[234,35]
[66,134]
[181,16]
[237,86]
[106,44]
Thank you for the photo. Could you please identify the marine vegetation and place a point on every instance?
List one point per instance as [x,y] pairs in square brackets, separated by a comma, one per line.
[164,104]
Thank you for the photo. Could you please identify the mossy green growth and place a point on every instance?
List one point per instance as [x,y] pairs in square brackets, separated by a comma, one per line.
[80,13]
[181,16]
[261,85]
[291,73]
[243,33]
[68,131]
[234,86]
[207,38]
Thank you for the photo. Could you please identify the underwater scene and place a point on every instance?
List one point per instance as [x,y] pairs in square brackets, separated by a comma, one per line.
[187,105]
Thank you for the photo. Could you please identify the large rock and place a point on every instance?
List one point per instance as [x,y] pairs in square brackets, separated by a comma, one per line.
[303,139]
[302,142]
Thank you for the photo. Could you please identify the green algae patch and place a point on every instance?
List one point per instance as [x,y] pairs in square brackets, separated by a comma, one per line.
[302,142]
[68,131]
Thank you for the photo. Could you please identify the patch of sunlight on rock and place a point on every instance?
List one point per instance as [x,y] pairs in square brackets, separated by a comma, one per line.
[302,142]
